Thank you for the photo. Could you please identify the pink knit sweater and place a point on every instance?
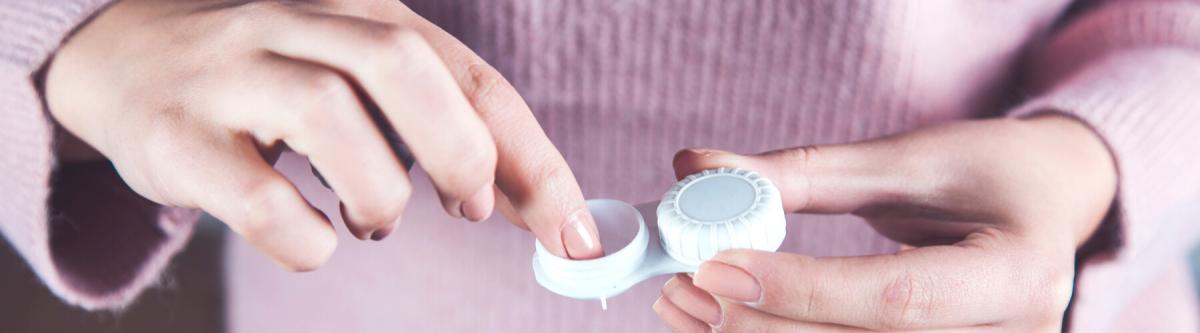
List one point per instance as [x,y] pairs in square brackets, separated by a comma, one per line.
[619,86]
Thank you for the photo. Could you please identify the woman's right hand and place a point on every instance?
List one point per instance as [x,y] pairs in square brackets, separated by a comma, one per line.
[191,100]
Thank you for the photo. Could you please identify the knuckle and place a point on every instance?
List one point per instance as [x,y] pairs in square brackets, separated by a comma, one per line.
[326,89]
[905,301]
[403,192]
[242,18]
[796,157]
[263,202]
[324,85]
[398,38]
[810,291]
[473,167]
[796,161]
[326,93]
[1052,289]
[399,198]
[542,172]
[1045,288]
[256,226]
[398,45]
[484,88]
[256,7]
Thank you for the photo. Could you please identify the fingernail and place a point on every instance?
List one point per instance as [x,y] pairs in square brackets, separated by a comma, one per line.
[704,309]
[381,233]
[580,238]
[703,151]
[456,210]
[727,281]
[479,206]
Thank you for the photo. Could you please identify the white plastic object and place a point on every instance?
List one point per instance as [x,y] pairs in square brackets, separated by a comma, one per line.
[720,209]
[701,215]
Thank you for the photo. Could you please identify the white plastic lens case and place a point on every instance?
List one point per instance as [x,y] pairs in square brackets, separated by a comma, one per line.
[701,215]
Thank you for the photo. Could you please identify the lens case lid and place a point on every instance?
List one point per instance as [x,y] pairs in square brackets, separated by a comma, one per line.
[701,215]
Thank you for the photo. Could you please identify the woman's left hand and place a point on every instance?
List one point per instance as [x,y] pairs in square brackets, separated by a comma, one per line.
[992,210]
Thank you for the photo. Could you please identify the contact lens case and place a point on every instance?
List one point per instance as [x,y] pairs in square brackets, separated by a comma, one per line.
[701,215]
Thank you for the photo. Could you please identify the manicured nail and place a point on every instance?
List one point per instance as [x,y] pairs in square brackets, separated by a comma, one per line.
[678,290]
[479,206]
[727,281]
[579,236]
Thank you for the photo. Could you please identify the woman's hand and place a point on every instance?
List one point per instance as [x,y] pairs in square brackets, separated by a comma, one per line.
[191,101]
[994,208]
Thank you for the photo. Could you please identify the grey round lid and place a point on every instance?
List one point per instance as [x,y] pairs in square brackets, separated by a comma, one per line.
[719,209]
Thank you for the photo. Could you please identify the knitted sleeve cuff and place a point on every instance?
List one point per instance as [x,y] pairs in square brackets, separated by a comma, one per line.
[86,235]
[1131,71]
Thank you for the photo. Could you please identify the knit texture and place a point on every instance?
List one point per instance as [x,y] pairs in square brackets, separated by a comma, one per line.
[620,86]
[90,239]
[648,78]
[1131,70]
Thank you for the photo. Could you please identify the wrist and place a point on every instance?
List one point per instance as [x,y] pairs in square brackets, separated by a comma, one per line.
[67,84]
[1078,149]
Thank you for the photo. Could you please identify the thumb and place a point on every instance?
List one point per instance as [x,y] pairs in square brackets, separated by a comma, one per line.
[831,179]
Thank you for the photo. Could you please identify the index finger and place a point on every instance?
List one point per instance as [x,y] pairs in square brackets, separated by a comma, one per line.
[530,171]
